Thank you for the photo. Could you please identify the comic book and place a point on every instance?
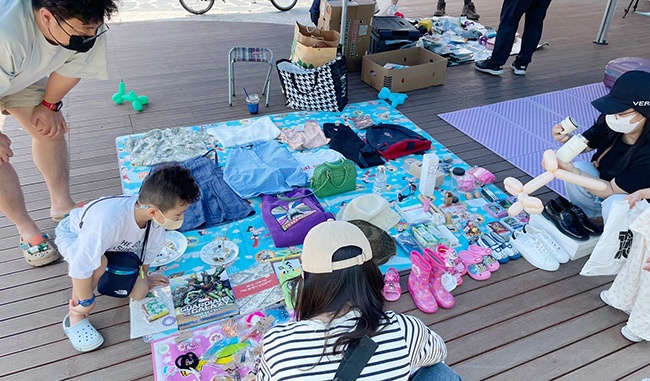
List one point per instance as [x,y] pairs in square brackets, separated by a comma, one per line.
[256,287]
[202,297]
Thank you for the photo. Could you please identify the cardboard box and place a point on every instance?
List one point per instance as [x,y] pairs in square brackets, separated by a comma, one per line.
[357,30]
[425,69]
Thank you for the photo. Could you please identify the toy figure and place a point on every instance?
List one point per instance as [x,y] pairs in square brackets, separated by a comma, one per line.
[137,101]
[533,205]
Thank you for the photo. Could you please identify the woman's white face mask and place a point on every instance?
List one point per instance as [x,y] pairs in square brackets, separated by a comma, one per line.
[622,124]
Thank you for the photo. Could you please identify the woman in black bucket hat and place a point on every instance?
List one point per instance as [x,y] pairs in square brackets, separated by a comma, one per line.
[621,143]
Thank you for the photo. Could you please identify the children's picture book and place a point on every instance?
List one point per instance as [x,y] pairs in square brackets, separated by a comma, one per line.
[202,297]
[256,287]
[153,314]
[287,269]
[225,350]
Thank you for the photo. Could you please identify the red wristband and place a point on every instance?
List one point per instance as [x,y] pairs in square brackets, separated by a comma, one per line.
[52,106]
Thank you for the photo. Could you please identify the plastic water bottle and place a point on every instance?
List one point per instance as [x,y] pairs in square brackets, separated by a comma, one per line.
[379,185]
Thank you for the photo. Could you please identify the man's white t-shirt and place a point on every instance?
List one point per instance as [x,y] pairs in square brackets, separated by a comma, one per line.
[108,225]
[26,56]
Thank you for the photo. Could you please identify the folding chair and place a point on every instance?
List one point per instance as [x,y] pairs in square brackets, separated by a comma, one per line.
[243,54]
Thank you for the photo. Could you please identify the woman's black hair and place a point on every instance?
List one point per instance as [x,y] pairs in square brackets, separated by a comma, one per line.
[168,185]
[88,11]
[357,287]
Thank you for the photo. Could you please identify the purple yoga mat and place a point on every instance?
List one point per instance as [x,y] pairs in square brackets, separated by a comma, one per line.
[520,130]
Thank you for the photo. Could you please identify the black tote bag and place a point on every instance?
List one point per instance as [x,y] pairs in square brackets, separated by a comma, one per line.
[324,88]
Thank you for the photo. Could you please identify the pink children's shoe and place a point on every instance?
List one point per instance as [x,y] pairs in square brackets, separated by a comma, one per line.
[475,267]
[418,284]
[392,289]
[438,267]
[488,260]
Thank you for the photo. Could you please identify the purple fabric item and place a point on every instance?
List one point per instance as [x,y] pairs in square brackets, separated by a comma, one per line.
[291,215]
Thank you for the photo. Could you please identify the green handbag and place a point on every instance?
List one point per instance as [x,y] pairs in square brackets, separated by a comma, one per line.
[334,178]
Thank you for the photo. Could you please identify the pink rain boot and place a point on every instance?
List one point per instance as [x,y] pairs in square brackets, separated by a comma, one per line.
[418,284]
[438,267]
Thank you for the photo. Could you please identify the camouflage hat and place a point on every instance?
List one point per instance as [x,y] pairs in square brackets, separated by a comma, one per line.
[383,246]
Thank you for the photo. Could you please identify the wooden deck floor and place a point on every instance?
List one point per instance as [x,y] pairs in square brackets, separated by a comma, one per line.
[523,324]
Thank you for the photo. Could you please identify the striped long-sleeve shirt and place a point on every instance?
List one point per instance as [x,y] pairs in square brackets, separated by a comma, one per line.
[293,351]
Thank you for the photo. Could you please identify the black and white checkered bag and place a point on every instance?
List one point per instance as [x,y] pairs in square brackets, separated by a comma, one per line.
[324,88]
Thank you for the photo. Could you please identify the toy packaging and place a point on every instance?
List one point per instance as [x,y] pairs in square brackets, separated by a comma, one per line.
[153,314]
[228,350]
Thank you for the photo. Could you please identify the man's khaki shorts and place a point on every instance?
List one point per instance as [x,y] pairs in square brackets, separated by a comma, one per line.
[30,96]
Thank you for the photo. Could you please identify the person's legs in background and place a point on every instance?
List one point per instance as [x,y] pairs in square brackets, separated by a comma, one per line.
[469,10]
[511,13]
[436,372]
[440,8]
[533,26]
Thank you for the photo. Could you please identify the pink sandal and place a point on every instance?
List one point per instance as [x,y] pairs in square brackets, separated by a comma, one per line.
[488,260]
[475,267]
[392,289]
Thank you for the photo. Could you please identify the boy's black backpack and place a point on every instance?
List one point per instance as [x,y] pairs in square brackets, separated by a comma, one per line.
[392,141]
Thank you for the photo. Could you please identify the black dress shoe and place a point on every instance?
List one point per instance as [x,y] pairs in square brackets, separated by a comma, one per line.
[588,225]
[564,221]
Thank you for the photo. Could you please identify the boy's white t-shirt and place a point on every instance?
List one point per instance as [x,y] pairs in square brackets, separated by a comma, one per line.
[108,225]
[26,56]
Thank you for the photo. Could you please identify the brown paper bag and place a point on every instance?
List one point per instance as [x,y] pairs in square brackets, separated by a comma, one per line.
[313,47]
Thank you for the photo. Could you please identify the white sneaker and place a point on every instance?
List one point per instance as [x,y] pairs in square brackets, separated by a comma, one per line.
[549,243]
[534,252]
[625,331]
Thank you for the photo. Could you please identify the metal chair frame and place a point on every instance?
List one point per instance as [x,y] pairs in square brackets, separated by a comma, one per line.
[246,54]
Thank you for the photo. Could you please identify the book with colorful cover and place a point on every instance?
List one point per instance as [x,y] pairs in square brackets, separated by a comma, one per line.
[256,287]
[202,297]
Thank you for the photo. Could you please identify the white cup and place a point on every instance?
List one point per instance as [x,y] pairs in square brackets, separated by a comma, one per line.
[568,125]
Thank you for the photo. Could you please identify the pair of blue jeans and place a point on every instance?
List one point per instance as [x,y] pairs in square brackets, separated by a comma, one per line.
[436,372]
[593,206]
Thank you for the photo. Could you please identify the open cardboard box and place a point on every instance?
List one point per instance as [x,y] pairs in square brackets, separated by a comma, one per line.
[425,69]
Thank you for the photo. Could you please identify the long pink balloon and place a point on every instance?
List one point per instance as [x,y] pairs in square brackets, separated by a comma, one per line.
[538,182]
[587,182]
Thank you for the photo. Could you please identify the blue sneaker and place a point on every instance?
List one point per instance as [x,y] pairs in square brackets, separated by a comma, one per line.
[487,66]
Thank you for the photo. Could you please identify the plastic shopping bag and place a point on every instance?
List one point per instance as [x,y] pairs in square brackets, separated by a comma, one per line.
[614,244]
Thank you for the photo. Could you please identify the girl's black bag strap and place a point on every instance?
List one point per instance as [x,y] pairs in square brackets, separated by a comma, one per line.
[355,359]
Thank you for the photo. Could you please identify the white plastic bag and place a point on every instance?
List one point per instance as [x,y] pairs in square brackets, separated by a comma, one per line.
[612,248]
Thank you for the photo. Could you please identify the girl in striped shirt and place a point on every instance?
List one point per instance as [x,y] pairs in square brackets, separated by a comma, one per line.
[339,302]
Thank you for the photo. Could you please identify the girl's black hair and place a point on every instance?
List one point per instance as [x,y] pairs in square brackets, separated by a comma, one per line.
[166,186]
[88,11]
[357,287]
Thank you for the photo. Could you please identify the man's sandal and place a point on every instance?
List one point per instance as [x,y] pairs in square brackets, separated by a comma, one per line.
[83,336]
[39,250]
